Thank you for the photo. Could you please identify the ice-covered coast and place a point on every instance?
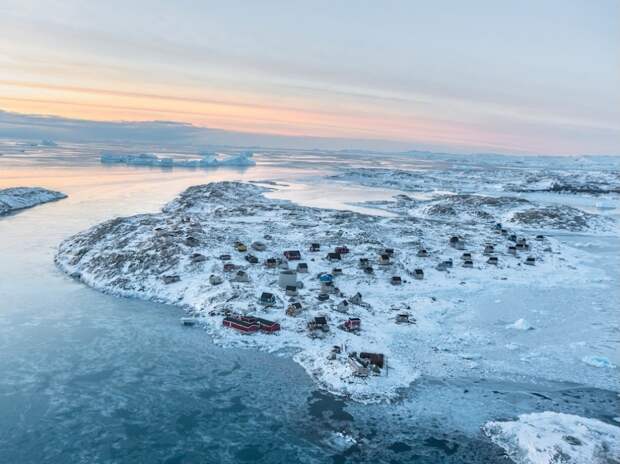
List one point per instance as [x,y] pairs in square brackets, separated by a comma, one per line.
[16,198]
[193,254]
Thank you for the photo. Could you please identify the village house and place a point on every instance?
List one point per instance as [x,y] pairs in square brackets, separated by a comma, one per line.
[402,318]
[243,326]
[225,257]
[384,259]
[512,249]
[292,255]
[192,241]
[512,237]
[240,247]
[356,299]
[323,297]
[488,249]
[342,250]
[336,271]
[358,369]
[271,263]
[333,256]
[241,276]
[318,323]
[377,360]
[189,321]
[444,265]
[258,246]
[291,290]
[498,226]
[468,263]
[198,258]
[364,263]
[493,260]
[294,309]
[369,270]
[530,261]
[387,251]
[282,264]
[343,306]
[540,238]
[422,253]
[504,231]
[353,324]
[457,242]
[215,279]
[396,280]
[302,268]
[418,274]
[267,299]
[328,287]
[251,259]
[170,279]
[266,325]
[229,267]
[314,247]
[325,277]
[466,256]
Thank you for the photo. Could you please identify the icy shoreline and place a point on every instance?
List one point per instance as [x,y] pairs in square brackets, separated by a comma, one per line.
[17,198]
[168,257]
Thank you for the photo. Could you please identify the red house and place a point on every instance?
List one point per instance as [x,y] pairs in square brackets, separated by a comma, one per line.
[341,250]
[352,324]
[292,255]
[242,324]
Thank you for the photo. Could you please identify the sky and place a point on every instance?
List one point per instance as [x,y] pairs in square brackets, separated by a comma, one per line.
[524,76]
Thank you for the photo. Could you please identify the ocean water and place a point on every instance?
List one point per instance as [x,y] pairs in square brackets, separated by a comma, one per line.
[89,377]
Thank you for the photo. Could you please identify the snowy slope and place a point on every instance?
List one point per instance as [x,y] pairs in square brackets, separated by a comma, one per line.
[15,198]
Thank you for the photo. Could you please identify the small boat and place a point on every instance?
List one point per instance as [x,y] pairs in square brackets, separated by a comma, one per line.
[189,321]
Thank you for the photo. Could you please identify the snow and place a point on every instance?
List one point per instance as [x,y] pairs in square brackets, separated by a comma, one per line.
[16,198]
[131,256]
[207,160]
[552,438]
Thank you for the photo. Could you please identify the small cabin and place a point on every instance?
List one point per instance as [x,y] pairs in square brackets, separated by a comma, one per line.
[466,256]
[468,263]
[337,271]
[488,249]
[170,279]
[369,270]
[215,279]
[267,299]
[456,242]
[198,258]
[271,263]
[229,267]
[512,237]
[376,359]
[302,268]
[333,256]
[353,324]
[243,326]
[384,259]
[388,251]
[318,323]
[521,241]
[323,296]
[258,246]
[493,260]
[422,253]
[291,290]
[530,261]
[251,259]
[364,263]
[192,241]
[418,274]
[189,321]
[294,309]
[402,318]
[396,280]
[292,255]
[343,306]
[225,257]
[314,247]
[504,231]
[328,287]
[540,238]
[241,247]
[512,250]
[241,276]
[341,250]
[498,226]
[356,299]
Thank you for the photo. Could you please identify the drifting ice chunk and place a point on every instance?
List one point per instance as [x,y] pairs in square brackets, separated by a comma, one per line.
[520,324]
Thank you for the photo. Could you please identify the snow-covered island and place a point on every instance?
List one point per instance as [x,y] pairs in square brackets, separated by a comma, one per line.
[351,297]
[16,198]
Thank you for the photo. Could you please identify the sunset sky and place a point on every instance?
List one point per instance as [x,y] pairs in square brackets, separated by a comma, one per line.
[522,76]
